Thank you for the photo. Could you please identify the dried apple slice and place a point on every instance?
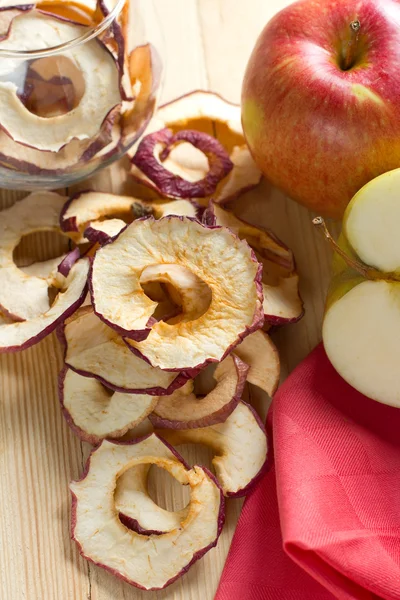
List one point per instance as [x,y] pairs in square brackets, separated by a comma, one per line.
[72,293]
[236,302]
[171,184]
[138,511]
[94,412]
[148,562]
[184,409]
[280,282]
[95,350]
[97,67]
[240,445]
[145,68]
[208,113]
[23,294]
[83,208]
[261,355]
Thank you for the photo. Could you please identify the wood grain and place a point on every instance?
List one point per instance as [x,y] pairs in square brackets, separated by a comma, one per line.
[207,43]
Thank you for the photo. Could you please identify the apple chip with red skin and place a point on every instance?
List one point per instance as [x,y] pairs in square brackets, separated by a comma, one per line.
[262,357]
[97,66]
[171,184]
[184,409]
[149,562]
[90,207]
[94,350]
[72,290]
[24,292]
[181,170]
[280,282]
[240,445]
[119,300]
[95,412]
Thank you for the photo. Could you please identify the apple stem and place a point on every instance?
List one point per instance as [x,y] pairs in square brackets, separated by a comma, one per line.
[350,54]
[365,271]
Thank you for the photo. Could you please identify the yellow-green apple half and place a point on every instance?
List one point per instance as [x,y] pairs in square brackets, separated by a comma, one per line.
[321,99]
[361,329]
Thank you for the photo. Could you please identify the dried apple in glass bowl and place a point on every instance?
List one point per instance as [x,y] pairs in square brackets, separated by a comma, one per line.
[78,85]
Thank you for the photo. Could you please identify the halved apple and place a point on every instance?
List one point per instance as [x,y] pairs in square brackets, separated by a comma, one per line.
[72,292]
[95,350]
[148,562]
[240,445]
[361,329]
[119,300]
[184,409]
[282,301]
[208,113]
[85,207]
[95,412]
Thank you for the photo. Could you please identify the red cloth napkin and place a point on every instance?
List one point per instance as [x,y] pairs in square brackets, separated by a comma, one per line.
[336,481]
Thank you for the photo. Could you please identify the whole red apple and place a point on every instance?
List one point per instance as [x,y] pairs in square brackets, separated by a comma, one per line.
[321,99]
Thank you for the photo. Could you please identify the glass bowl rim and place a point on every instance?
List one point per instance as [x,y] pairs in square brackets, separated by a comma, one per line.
[89,34]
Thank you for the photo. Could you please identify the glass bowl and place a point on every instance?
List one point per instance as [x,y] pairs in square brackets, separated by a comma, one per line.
[79,82]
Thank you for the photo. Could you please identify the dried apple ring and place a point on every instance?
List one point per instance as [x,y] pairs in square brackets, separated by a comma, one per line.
[23,293]
[171,184]
[236,301]
[85,207]
[101,95]
[208,113]
[94,412]
[148,562]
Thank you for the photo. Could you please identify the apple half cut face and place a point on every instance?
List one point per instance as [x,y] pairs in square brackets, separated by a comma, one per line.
[94,350]
[24,292]
[236,300]
[184,409]
[361,329]
[95,412]
[208,114]
[136,508]
[98,70]
[240,445]
[85,207]
[262,357]
[149,562]
[280,282]
[72,291]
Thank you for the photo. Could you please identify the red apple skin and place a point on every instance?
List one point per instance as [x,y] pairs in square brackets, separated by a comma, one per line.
[317,131]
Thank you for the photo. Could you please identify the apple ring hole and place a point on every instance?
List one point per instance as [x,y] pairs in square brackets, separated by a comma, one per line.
[167,306]
[54,86]
[40,246]
[165,491]
[181,294]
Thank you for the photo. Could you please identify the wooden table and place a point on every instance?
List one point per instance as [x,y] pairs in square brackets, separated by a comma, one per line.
[208,43]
